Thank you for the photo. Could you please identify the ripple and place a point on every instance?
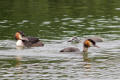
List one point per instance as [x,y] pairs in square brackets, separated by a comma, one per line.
[46,22]
[66,19]
[76,21]
[4,26]
[112,26]
[117,9]
[90,28]
[7,44]
[4,21]
[47,63]
[23,21]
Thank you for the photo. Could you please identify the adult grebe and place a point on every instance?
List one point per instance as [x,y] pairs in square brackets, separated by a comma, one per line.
[23,41]
[87,43]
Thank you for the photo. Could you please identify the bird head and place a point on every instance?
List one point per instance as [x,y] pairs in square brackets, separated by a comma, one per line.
[19,35]
[89,43]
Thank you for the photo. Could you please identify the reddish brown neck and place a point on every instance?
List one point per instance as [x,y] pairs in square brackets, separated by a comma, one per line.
[85,49]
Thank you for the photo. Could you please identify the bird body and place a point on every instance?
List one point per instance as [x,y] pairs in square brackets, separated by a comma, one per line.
[87,43]
[24,41]
[70,49]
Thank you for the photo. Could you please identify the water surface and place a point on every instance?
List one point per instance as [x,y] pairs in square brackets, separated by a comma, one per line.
[54,22]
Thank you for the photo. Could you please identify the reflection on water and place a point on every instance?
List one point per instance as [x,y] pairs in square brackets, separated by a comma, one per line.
[18,59]
[54,22]
[85,57]
[19,48]
[48,63]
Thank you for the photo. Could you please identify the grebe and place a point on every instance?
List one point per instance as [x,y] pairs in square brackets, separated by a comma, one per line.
[75,39]
[87,43]
[96,39]
[23,41]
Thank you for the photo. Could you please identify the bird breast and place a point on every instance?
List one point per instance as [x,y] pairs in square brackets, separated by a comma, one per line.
[19,43]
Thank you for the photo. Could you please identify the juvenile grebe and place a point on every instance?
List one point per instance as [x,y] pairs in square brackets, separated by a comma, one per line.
[87,43]
[23,41]
[75,39]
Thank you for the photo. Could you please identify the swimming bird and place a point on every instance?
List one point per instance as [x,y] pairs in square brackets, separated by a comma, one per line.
[23,41]
[96,39]
[87,43]
[74,39]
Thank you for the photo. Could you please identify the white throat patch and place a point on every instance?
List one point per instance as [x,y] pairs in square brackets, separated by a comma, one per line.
[19,43]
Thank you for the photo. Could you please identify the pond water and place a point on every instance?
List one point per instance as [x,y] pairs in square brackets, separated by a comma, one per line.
[54,22]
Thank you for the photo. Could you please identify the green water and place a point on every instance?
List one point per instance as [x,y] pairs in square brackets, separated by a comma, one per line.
[54,22]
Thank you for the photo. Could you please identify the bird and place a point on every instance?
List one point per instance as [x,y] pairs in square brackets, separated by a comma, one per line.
[70,49]
[96,39]
[23,41]
[87,43]
[74,39]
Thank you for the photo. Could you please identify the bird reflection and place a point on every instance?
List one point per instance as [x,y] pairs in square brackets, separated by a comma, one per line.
[18,60]
[87,65]
[85,57]
[19,48]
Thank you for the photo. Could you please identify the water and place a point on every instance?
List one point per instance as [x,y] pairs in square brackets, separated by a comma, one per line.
[54,22]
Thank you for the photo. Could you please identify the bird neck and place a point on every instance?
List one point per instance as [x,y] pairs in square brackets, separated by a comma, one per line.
[19,43]
[85,49]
